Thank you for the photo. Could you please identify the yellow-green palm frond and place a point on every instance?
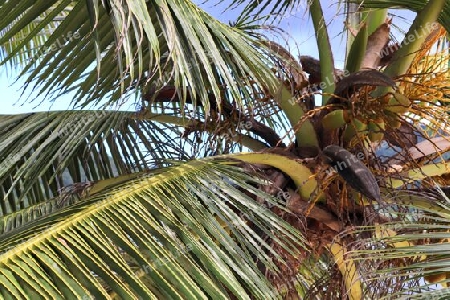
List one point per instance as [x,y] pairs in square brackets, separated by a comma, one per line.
[49,159]
[167,235]
[411,248]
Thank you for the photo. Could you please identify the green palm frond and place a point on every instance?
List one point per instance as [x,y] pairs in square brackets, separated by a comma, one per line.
[26,43]
[150,43]
[162,236]
[271,10]
[413,247]
[41,153]
[49,158]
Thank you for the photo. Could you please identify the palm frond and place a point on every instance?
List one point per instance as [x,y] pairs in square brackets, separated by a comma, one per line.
[41,153]
[61,153]
[154,236]
[412,247]
[268,9]
[26,42]
[149,43]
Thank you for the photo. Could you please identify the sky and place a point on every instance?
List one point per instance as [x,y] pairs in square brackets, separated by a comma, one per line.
[297,29]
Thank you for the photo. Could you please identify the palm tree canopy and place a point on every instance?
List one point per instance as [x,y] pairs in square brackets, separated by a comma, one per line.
[157,202]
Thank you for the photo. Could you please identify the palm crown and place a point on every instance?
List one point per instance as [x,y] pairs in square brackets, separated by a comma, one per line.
[161,202]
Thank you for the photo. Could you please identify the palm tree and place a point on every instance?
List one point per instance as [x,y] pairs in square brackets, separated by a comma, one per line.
[161,202]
